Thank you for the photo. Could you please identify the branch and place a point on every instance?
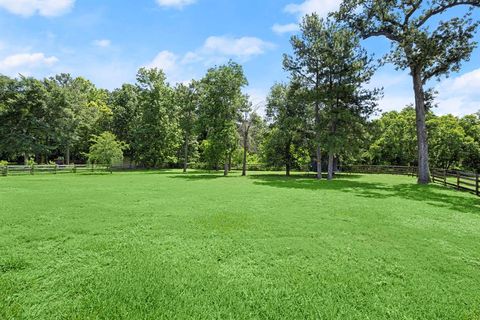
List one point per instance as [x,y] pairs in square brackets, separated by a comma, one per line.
[409,14]
[379,33]
[441,9]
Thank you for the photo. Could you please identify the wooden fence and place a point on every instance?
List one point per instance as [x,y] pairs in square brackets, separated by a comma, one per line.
[396,170]
[460,180]
[465,181]
[51,169]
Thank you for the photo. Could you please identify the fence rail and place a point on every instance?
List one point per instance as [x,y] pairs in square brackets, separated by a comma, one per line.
[51,169]
[465,181]
[397,170]
[460,180]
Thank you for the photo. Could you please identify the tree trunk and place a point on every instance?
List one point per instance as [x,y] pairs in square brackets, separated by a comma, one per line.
[67,156]
[422,139]
[225,169]
[317,137]
[319,162]
[185,154]
[25,159]
[331,158]
[245,150]
[288,160]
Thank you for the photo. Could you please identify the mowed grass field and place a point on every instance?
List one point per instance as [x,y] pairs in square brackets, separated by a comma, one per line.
[164,245]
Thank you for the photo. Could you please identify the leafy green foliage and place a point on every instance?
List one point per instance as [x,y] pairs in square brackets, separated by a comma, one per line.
[126,116]
[330,64]
[220,102]
[158,137]
[394,142]
[23,119]
[453,141]
[287,142]
[428,50]
[106,149]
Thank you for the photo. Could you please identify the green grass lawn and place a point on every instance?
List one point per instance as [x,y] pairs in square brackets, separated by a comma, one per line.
[154,245]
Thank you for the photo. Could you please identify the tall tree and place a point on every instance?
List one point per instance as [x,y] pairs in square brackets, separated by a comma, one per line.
[220,102]
[23,117]
[306,66]
[427,48]
[331,63]
[187,99]
[288,113]
[64,111]
[249,119]
[126,116]
[158,138]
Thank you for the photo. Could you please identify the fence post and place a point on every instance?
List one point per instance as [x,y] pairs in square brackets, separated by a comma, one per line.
[74,168]
[55,170]
[477,183]
[458,180]
[445,177]
[32,169]
[4,171]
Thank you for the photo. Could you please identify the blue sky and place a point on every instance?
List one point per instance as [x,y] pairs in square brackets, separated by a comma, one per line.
[107,41]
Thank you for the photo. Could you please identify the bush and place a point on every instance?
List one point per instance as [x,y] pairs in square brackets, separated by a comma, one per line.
[106,149]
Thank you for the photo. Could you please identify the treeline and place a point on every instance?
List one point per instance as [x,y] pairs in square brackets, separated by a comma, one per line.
[317,120]
[210,121]
[60,118]
[454,141]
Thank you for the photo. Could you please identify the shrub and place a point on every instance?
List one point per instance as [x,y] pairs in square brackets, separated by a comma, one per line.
[106,149]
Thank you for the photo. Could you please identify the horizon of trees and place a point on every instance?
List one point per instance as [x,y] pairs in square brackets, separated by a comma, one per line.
[64,114]
[320,118]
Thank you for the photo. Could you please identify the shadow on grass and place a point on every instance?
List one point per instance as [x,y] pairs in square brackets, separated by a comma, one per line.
[197,176]
[431,194]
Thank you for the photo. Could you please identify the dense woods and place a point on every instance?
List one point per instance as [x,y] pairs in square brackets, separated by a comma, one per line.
[60,118]
[322,117]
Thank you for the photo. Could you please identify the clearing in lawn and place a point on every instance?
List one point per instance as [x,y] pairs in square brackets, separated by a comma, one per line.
[153,245]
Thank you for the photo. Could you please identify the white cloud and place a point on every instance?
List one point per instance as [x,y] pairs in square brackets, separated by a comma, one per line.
[285,28]
[215,50]
[22,61]
[177,4]
[241,48]
[165,60]
[47,8]
[321,7]
[102,43]
[176,70]
[467,83]
[258,97]
[459,95]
